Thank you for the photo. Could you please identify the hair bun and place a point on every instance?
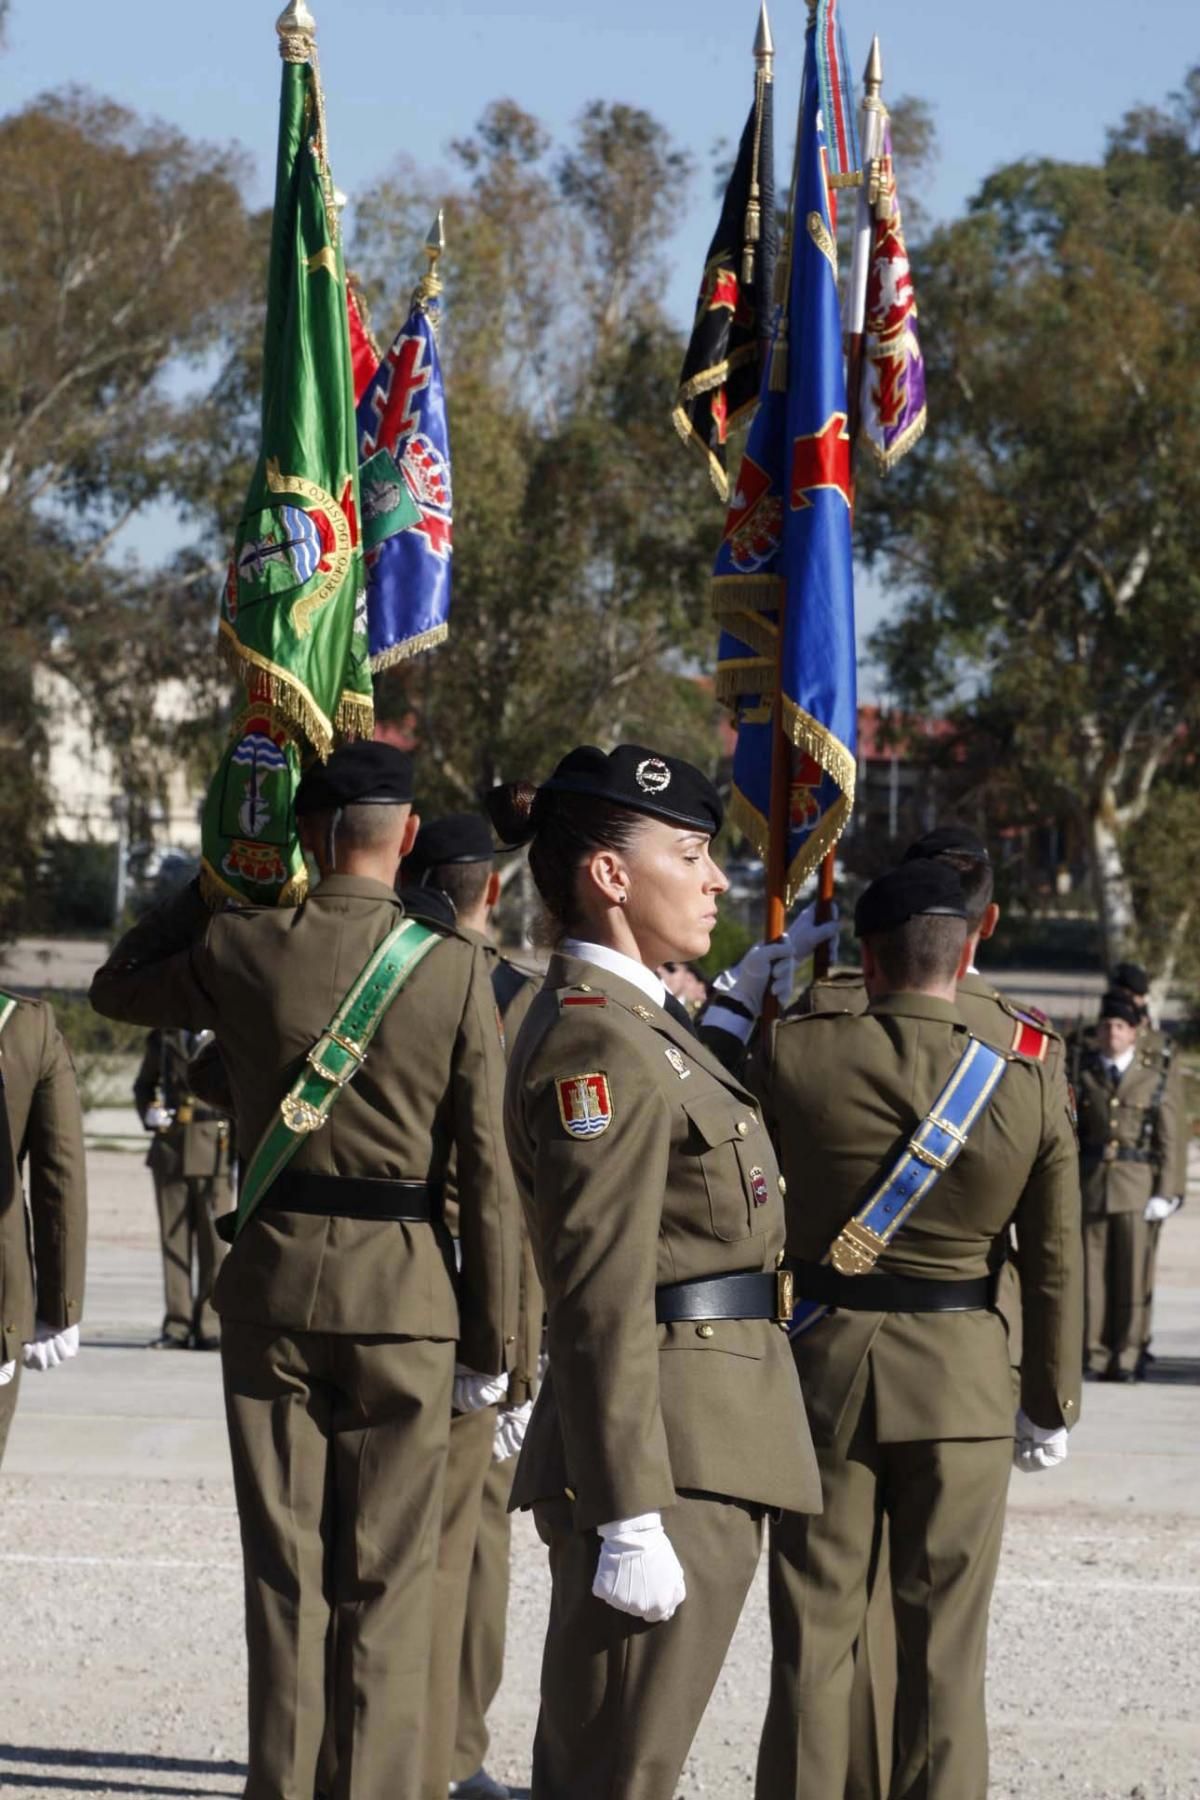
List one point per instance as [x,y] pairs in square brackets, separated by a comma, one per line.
[510,808]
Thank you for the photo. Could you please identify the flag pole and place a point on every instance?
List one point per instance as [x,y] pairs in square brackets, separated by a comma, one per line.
[781,744]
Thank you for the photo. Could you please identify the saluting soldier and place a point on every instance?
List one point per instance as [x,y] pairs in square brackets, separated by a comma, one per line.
[189,1158]
[450,875]
[670,1419]
[43,1234]
[1129,1147]
[903,1360]
[338,1301]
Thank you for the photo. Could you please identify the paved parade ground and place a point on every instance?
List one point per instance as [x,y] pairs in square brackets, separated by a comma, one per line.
[121,1597]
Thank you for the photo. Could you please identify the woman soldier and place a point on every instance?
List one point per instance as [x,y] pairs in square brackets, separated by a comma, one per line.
[671,1419]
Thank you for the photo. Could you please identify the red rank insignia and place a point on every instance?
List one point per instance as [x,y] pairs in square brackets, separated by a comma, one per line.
[584,1105]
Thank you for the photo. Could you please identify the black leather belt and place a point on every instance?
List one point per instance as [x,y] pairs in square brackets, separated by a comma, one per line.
[746,1296]
[889,1293]
[345,1197]
[1123,1153]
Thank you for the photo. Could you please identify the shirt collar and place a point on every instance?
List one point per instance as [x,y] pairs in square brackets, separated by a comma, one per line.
[617,963]
[1122,1062]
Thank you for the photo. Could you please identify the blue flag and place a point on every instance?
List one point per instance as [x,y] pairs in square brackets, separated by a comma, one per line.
[783,588]
[404,478]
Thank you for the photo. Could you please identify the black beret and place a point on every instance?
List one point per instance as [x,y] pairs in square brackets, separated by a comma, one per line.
[665,787]
[1132,976]
[1120,1006]
[360,774]
[456,838]
[905,893]
[946,840]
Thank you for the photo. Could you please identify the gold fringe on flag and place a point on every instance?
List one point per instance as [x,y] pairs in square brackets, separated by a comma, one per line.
[282,689]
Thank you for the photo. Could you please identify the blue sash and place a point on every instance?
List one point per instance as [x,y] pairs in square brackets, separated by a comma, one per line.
[930,1150]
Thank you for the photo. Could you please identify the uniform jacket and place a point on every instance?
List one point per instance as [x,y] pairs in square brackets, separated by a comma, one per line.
[196,1144]
[269,981]
[843,1093]
[681,1184]
[42,1249]
[1114,1119]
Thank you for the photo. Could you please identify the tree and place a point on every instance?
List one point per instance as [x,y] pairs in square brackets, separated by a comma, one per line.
[583,539]
[128,261]
[1045,540]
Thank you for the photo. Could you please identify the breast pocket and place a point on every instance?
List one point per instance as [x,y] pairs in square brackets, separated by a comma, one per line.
[720,1124]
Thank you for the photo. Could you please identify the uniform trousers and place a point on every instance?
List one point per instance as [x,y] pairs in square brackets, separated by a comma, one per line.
[1116,1251]
[8,1403]
[339,1452]
[187,1209]
[944,1501]
[472,1436]
[621,1699]
[481,1667]
[1153,1234]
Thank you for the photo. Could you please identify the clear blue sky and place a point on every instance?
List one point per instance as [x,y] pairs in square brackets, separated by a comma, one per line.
[1034,77]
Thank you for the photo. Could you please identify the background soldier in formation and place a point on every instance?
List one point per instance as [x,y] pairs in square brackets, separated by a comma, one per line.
[190,1159]
[907,1379]
[43,1234]
[1132,1151]
[450,876]
[338,1302]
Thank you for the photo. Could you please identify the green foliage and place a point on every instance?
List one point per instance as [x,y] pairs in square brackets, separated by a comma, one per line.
[583,537]
[105,1053]
[730,942]
[1045,540]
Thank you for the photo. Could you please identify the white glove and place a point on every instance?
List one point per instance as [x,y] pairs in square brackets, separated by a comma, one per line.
[1035,1447]
[804,935]
[7,1371]
[638,1571]
[51,1347]
[512,1422]
[158,1117]
[745,986]
[471,1391]
[1159,1207]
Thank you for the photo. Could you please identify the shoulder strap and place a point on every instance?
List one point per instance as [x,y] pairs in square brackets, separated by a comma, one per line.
[931,1150]
[335,1058]
[8,1007]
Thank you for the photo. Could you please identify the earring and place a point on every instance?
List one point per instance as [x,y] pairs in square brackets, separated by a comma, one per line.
[622,897]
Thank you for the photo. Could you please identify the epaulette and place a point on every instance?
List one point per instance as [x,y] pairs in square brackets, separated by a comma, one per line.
[580,996]
[1032,1035]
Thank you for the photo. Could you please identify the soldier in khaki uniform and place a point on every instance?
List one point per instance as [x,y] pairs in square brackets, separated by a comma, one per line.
[338,1301]
[189,1159]
[43,1237]
[1129,1160]
[670,1419]
[907,1379]
[450,877]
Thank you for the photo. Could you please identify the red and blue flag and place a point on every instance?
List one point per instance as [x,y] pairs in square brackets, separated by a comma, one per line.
[783,583]
[404,477]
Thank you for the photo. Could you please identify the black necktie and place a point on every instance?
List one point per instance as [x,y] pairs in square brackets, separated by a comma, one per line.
[679,1012]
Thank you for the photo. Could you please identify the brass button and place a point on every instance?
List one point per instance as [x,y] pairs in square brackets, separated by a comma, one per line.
[782,1185]
[704,1331]
[1068,1406]
[584,989]
[742,1128]
[511,1340]
[569,1492]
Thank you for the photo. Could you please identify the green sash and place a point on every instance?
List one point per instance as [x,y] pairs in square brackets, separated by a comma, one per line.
[8,1007]
[334,1060]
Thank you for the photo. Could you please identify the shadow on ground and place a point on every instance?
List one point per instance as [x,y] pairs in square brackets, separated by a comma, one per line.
[75,1781]
[1174,1371]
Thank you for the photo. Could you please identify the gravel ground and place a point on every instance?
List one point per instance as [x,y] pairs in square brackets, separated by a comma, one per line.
[123,1659]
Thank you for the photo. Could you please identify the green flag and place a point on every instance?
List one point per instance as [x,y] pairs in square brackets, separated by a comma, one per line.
[293,614]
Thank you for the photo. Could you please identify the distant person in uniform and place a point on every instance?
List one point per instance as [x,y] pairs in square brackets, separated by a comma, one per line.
[450,876]
[43,1231]
[670,1421]
[905,1363]
[189,1158]
[1131,1164]
[341,1311]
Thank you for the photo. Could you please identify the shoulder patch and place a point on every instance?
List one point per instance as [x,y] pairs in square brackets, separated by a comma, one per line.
[584,1104]
[584,1000]
[1030,1040]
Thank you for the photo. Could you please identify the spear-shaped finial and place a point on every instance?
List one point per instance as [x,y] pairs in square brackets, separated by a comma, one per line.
[297,32]
[873,78]
[430,284]
[764,43]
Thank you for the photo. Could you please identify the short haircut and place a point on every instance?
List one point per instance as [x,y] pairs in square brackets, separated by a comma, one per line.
[978,882]
[360,827]
[921,953]
[463,883]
